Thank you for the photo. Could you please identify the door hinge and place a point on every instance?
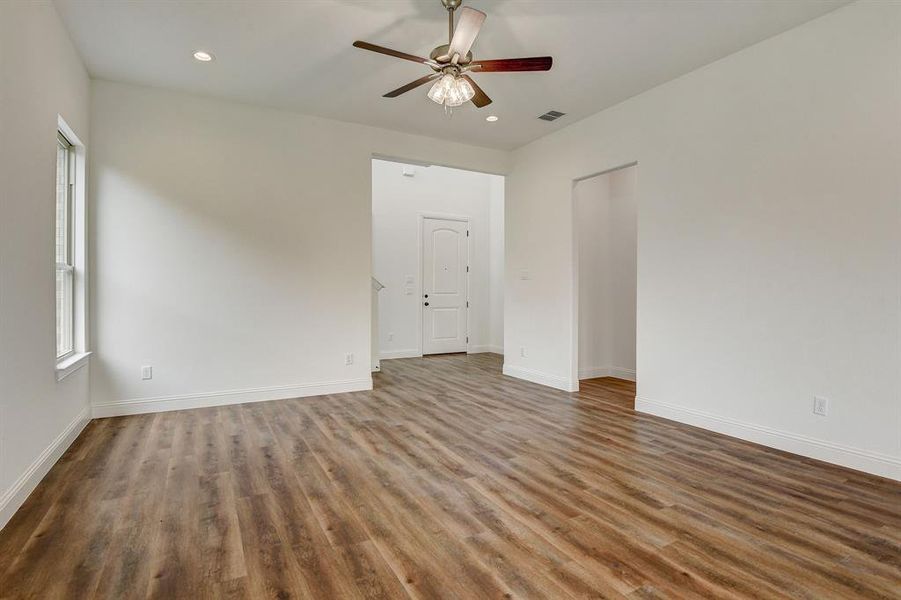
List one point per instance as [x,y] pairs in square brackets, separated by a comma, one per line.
[467,339]
[467,268]
[467,304]
[467,233]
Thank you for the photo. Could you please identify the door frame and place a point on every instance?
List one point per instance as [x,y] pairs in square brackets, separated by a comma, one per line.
[421,217]
[574,289]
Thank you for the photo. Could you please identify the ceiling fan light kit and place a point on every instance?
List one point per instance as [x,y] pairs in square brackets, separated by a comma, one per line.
[451,62]
[451,91]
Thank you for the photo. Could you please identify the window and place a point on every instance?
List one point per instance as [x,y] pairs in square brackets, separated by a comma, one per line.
[65,248]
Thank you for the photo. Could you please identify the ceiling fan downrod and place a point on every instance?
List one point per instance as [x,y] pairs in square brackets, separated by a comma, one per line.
[451,6]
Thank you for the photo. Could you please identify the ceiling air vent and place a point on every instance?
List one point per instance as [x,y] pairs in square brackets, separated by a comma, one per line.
[551,115]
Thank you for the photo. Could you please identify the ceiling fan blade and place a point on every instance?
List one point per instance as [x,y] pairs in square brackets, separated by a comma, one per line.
[481,98]
[501,65]
[394,53]
[412,85]
[467,29]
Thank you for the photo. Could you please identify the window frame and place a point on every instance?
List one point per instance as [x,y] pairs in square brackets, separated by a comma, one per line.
[68,265]
[77,254]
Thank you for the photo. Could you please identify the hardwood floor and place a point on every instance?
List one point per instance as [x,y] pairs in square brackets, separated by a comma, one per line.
[447,481]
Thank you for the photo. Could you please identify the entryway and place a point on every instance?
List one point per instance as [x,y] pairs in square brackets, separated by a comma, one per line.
[438,250]
[605,222]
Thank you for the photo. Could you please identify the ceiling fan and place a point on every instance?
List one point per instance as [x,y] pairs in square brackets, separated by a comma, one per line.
[451,62]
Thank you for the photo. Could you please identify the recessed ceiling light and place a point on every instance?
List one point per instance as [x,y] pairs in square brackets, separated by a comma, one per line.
[491,118]
[203,56]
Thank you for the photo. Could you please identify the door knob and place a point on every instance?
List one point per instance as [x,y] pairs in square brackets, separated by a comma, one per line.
[426,303]
[426,296]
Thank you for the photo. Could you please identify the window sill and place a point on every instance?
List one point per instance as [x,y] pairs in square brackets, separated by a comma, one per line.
[70,364]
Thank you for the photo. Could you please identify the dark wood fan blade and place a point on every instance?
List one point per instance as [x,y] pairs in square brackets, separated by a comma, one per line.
[537,63]
[394,53]
[412,85]
[481,98]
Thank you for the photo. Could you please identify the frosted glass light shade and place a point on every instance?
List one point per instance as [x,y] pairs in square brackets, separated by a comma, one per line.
[441,88]
[451,91]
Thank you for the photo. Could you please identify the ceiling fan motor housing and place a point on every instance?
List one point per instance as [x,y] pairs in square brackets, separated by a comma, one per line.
[441,51]
[451,4]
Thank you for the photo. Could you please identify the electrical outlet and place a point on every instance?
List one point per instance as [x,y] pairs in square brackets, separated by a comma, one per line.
[391,336]
[522,352]
[820,406]
[349,359]
[146,372]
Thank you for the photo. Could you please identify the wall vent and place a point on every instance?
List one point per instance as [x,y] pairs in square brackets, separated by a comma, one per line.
[551,115]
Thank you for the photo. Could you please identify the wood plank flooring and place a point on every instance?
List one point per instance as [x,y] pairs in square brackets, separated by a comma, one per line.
[447,481]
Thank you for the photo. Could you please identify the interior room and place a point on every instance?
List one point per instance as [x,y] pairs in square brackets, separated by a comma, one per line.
[450,299]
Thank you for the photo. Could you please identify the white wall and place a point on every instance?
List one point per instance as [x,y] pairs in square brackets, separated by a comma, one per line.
[605,221]
[41,77]
[232,247]
[768,241]
[397,203]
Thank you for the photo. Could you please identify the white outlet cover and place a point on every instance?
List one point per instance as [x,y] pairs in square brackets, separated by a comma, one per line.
[146,372]
[820,406]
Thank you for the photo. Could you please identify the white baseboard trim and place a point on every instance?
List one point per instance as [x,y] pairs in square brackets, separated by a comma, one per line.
[592,372]
[622,373]
[139,406]
[846,456]
[608,371]
[486,348]
[554,381]
[389,354]
[16,495]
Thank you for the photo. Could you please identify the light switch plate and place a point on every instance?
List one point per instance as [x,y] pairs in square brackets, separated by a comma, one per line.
[146,372]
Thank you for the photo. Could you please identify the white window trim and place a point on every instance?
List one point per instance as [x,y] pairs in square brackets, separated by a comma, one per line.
[71,363]
[80,355]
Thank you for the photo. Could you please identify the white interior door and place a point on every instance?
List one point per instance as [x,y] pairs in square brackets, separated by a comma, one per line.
[445,256]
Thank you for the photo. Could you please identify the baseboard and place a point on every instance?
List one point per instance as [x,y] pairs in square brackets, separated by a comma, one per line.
[389,354]
[16,495]
[853,458]
[554,381]
[592,372]
[608,371]
[204,400]
[486,349]
[622,373]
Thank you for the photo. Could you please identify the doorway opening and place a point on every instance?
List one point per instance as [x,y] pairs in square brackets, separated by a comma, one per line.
[606,249]
[437,261]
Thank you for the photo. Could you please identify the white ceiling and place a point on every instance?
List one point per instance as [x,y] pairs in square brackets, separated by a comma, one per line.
[297,54]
